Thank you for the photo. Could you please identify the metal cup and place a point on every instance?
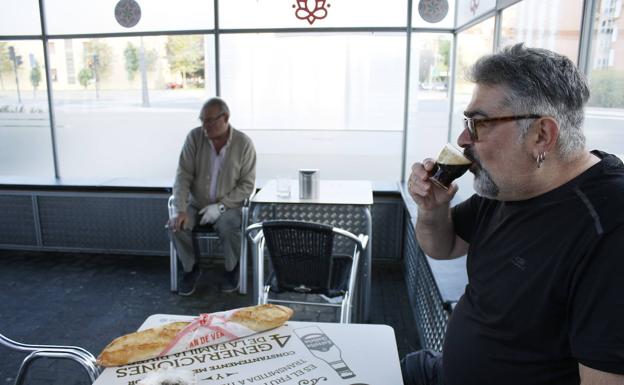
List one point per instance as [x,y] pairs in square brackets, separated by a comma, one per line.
[309,183]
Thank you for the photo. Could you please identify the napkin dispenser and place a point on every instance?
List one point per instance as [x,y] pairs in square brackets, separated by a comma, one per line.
[309,183]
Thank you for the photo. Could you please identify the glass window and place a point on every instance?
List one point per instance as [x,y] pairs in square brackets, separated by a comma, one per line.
[25,141]
[332,101]
[123,106]
[428,110]
[605,113]
[82,17]
[550,24]
[311,13]
[20,17]
[468,10]
[471,45]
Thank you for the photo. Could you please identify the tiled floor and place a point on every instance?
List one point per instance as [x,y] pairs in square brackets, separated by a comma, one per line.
[87,300]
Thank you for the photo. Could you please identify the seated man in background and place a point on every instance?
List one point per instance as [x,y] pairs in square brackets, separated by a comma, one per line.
[543,235]
[216,173]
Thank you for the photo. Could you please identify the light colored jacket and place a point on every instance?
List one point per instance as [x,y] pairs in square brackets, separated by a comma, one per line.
[237,177]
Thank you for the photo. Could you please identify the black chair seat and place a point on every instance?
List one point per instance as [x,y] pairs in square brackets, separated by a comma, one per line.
[338,283]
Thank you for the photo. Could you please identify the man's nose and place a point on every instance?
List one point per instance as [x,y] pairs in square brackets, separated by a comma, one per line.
[464,140]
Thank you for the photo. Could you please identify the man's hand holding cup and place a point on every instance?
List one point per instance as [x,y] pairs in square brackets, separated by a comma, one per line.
[430,183]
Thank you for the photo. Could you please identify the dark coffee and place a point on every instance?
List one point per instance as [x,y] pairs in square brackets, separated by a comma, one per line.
[451,164]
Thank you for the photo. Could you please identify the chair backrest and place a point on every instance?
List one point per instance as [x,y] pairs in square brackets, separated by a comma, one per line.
[301,254]
[74,353]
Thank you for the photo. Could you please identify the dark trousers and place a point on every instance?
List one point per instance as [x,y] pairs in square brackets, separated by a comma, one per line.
[423,367]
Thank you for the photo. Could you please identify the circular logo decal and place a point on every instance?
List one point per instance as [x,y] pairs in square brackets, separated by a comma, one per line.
[127,13]
[433,11]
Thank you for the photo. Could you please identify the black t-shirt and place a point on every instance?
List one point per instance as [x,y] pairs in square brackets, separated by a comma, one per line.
[545,284]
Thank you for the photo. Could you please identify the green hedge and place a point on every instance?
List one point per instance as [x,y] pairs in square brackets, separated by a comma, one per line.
[607,89]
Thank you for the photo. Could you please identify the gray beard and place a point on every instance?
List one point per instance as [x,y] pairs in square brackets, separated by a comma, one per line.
[484,185]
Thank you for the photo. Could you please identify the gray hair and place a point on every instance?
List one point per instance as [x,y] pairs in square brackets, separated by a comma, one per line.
[218,102]
[541,82]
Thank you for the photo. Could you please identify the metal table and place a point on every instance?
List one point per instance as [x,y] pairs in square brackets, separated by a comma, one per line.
[341,203]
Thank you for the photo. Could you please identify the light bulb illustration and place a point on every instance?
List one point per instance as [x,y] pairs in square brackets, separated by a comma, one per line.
[323,348]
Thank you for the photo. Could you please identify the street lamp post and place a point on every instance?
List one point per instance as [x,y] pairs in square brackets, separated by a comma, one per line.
[143,67]
[96,63]
[16,60]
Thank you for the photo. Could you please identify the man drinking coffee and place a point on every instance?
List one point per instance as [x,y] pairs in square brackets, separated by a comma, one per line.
[543,235]
[451,164]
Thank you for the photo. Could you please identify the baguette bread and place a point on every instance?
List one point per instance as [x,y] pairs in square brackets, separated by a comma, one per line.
[262,317]
[139,346]
[150,343]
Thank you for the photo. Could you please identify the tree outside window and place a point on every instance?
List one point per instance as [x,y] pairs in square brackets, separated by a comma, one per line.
[35,79]
[185,56]
[97,59]
[6,67]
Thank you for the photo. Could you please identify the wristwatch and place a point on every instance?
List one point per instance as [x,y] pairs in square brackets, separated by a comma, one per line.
[221,208]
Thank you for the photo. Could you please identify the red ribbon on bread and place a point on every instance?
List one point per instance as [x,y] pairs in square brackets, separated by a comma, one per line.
[214,322]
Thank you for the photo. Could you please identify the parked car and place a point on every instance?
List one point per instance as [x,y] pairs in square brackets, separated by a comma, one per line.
[436,86]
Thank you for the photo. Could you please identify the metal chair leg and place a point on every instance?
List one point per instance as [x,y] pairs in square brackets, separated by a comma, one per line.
[242,268]
[173,266]
[345,309]
[265,295]
[242,263]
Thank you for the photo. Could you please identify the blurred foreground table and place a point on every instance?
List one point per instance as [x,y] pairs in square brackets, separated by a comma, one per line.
[297,353]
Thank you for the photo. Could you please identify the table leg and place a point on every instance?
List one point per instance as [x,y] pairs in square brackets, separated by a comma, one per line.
[363,301]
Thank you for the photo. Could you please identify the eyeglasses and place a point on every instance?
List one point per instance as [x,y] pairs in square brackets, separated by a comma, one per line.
[210,121]
[471,124]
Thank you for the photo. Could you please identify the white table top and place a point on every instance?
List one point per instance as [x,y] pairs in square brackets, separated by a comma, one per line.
[280,356]
[354,192]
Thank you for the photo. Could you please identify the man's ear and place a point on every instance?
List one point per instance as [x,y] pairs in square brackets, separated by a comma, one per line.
[546,132]
[226,117]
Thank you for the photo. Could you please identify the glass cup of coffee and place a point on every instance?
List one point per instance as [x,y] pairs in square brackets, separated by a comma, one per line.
[451,164]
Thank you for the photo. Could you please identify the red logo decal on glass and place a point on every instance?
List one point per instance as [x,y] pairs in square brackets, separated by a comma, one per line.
[311,10]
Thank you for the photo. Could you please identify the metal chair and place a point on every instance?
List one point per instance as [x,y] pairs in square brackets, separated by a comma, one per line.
[303,261]
[74,353]
[209,233]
